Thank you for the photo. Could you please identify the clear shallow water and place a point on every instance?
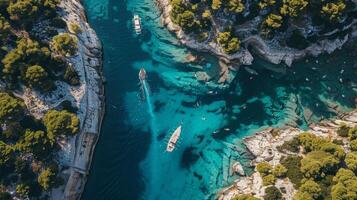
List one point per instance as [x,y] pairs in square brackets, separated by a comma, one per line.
[130,162]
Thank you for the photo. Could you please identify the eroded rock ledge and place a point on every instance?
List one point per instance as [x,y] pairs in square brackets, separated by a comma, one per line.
[88,64]
[270,51]
[263,146]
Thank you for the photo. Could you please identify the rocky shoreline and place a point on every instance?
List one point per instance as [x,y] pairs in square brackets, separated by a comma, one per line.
[264,147]
[88,64]
[268,51]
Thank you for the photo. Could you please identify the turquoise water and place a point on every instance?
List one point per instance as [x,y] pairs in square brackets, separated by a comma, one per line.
[130,161]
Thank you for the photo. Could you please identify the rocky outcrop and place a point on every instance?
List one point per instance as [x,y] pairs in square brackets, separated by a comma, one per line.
[263,146]
[271,51]
[90,101]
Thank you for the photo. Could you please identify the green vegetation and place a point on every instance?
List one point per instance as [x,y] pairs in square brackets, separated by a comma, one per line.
[272,193]
[279,171]
[229,43]
[264,168]
[224,19]
[293,164]
[308,190]
[290,145]
[65,44]
[269,180]
[244,197]
[324,172]
[60,123]
[343,130]
[33,60]
[37,77]
[333,10]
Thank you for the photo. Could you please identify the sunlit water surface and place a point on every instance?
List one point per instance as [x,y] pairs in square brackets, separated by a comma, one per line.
[130,160]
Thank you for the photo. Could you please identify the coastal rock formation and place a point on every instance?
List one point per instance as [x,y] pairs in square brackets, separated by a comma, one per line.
[88,97]
[271,51]
[264,147]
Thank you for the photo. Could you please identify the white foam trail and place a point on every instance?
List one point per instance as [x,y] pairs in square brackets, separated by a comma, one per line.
[153,183]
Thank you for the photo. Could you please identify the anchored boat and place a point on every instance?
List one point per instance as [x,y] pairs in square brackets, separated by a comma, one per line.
[173,139]
[142,74]
[137,24]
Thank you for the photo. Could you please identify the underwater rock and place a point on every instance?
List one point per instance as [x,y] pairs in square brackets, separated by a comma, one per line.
[238,168]
[188,82]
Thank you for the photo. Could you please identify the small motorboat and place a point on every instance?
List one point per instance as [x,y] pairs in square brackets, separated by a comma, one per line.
[142,74]
[137,24]
[173,139]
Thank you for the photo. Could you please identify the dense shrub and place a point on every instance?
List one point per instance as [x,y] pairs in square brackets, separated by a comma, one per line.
[308,190]
[343,130]
[71,76]
[264,168]
[292,164]
[65,44]
[352,133]
[272,193]
[60,123]
[229,43]
[317,163]
[351,161]
[269,180]
[245,197]
[292,145]
[279,171]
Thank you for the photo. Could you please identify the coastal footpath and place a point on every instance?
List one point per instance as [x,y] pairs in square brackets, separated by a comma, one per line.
[271,147]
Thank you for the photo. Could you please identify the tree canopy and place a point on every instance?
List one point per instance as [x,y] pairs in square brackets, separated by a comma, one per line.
[65,44]
[11,108]
[60,123]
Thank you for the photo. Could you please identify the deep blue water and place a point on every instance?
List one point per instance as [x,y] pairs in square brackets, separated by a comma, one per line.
[130,162]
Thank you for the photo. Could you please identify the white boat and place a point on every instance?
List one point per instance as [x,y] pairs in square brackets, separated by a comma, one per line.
[173,139]
[137,24]
[142,74]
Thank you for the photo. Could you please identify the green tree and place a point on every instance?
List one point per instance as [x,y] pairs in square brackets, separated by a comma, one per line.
[65,44]
[216,4]
[333,10]
[245,197]
[293,8]
[6,153]
[37,77]
[343,130]
[269,180]
[312,188]
[264,168]
[71,76]
[60,123]
[352,133]
[236,6]
[351,161]
[47,179]
[23,10]
[27,52]
[23,190]
[266,3]
[317,163]
[229,43]
[353,145]
[35,142]
[272,193]
[273,21]
[4,28]
[346,185]
[10,108]
[279,171]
